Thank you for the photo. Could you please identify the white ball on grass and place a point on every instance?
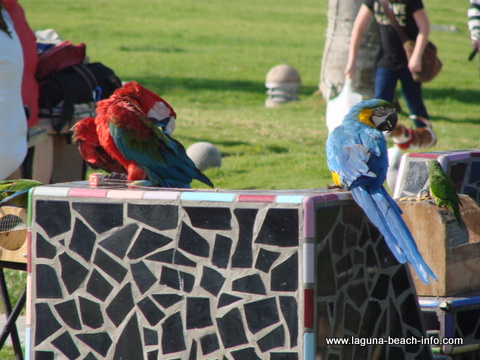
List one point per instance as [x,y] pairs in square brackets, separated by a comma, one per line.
[204,155]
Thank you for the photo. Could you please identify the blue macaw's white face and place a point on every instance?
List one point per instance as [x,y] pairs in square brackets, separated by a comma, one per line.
[160,115]
[384,118]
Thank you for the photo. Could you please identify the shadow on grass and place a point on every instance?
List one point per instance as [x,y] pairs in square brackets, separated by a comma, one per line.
[165,84]
[240,147]
[466,96]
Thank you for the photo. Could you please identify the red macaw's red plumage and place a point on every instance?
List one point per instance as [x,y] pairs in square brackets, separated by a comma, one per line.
[132,127]
[86,138]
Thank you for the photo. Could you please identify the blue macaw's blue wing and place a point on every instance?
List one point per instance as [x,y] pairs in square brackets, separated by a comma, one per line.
[385,214]
[358,154]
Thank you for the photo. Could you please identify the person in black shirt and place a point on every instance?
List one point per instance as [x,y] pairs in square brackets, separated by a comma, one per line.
[392,64]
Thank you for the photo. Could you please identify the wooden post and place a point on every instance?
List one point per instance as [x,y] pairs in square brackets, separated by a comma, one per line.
[452,252]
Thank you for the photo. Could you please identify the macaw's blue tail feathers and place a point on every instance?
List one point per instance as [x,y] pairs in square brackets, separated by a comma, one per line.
[385,214]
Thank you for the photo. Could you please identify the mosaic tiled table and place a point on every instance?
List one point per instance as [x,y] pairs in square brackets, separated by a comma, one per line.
[119,273]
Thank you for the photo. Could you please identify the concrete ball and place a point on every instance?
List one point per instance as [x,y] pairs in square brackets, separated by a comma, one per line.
[204,155]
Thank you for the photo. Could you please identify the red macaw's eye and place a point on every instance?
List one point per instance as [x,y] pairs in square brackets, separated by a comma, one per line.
[389,123]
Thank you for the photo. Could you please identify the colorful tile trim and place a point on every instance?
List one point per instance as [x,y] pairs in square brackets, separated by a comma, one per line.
[308,263]
[256,198]
[125,194]
[289,199]
[308,308]
[86,192]
[309,346]
[161,195]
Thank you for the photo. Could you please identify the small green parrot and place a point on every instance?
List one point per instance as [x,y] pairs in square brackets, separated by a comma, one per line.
[442,190]
[15,192]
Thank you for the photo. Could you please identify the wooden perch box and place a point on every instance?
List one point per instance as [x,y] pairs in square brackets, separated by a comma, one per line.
[452,252]
[13,244]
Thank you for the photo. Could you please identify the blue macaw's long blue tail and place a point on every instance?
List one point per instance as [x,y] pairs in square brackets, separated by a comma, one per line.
[385,214]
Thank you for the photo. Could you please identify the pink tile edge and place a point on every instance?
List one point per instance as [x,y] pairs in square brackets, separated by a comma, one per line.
[96,193]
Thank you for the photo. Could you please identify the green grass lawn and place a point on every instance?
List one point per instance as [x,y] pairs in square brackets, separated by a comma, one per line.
[209,60]
[7,353]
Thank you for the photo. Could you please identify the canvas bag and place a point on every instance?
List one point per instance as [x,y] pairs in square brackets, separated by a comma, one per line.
[431,64]
[338,107]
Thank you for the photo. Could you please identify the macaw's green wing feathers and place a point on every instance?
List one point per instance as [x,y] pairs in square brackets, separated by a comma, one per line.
[442,190]
[163,158]
[15,192]
[132,129]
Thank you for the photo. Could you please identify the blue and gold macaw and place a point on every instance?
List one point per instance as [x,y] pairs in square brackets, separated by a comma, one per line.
[357,156]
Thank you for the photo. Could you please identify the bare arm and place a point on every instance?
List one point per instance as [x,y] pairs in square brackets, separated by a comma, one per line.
[415,63]
[359,27]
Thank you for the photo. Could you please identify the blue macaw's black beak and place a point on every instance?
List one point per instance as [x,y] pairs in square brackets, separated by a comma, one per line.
[389,123]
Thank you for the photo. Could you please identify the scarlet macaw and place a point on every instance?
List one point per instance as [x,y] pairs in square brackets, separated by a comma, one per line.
[357,157]
[132,134]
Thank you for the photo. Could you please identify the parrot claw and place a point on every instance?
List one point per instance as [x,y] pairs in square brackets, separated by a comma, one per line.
[407,198]
[140,183]
[424,195]
[116,176]
[334,186]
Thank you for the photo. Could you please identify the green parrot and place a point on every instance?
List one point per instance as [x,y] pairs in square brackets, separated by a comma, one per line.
[442,190]
[15,192]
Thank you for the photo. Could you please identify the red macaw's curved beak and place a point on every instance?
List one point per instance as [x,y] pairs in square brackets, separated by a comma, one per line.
[389,123]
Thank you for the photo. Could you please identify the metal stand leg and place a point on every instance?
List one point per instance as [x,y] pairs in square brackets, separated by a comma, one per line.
[12,316]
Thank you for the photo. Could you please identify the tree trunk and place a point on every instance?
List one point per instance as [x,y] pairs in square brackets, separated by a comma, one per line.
[341,16]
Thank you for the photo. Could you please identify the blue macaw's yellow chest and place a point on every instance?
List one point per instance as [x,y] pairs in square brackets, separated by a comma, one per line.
[167,274]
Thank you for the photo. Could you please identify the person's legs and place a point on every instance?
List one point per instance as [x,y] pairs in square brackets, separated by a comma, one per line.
[422,135]
[412,94]
[385,84]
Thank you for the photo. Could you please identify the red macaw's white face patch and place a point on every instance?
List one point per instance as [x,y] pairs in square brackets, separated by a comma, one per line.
[163,114]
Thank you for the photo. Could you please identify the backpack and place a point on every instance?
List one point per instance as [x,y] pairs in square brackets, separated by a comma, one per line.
[55,58]
[75,84]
